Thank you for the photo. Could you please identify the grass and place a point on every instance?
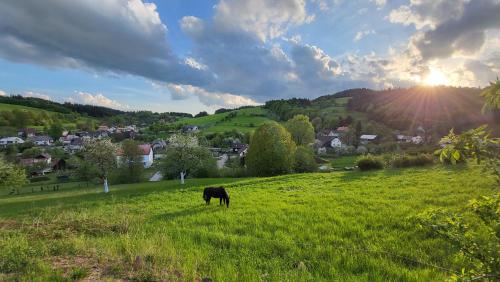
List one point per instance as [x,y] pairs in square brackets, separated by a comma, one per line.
[245,120]
[343,226]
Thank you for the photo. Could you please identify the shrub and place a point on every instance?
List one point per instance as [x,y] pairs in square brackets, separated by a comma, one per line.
[409,161]
[304,160]
[39,179]
[271,151]
[369,162]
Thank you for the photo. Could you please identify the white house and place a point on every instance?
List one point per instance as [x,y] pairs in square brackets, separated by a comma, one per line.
[190,128]
[11,140]
[417,139]
[336,143]
[147,155]
[365,138]
[42,140]
[146,152]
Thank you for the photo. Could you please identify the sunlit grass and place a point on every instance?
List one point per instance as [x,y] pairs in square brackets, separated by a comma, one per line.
[344,226]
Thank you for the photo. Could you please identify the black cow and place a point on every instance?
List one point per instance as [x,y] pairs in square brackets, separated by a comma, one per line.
[216,192]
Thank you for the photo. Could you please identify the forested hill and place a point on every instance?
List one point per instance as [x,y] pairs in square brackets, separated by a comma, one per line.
[434,108]
[66,108]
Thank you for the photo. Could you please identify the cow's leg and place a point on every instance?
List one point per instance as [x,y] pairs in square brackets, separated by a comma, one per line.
[220,201]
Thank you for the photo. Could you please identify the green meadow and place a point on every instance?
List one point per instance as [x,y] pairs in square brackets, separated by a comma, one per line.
[341,226]
[245,120]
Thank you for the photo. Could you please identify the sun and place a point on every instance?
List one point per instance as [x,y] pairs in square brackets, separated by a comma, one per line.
[435,77]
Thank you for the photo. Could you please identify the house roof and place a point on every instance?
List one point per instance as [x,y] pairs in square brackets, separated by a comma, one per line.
[42,138]
[343,128]
[323,140]
[145,148]
[368,137]
[76,141]
[6,139]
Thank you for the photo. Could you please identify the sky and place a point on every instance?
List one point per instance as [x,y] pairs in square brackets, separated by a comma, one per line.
[201,55]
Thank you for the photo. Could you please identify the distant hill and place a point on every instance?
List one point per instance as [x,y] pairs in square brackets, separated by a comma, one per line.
[434,108]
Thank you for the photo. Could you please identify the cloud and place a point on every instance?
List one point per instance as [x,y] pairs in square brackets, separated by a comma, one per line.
[97,99]
[212,99]
[37,95]
[264,18]
[2,93]
[362,33]
[379,3]
[448,26]
[110,35]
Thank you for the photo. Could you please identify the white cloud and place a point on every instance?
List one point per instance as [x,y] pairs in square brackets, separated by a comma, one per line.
[109,35]
[37,95]
[212,99]
[264,18]
[97,99]
[2,93]
[379,3]
[362,33]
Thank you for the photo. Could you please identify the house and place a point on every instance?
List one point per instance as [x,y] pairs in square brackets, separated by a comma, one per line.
[26,132]
[10,140]
[158,145]
[328,132]
[42,158]
[76,144]
[367,138]
[102,128]
[417,140]
[324,142]
[43,140]
[342,129]
[146,153]
[239,148]
[403,138]
[190,128]
[66,140]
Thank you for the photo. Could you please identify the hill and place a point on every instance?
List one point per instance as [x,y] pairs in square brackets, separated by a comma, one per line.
[436,109]
[346,226]
[242,120]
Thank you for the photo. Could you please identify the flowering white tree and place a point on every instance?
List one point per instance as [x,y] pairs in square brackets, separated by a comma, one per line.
[101,153]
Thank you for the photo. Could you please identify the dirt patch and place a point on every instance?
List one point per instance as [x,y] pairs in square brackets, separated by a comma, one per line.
[68,265]
[10,224]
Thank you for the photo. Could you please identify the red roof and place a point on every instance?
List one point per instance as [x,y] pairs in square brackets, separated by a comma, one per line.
[145,149]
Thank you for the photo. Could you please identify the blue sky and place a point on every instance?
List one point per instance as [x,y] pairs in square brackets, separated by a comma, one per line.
[191,55]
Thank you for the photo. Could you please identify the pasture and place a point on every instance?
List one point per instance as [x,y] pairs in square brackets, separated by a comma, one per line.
[342,226]
[244,120]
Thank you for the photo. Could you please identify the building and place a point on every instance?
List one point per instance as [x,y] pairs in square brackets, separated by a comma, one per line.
[42,140]
[147,156]
[26,132]
[76,144]
[367,138]
[10,141]
[324,142]
[190,128]
[239,148]
[42,158]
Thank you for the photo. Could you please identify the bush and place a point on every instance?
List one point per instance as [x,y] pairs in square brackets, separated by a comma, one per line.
[409,161]
[39,179]
[369,162]
[304,160]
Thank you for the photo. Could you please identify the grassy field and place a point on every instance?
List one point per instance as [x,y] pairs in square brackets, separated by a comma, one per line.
[343,226]
[10,107]
[245,120]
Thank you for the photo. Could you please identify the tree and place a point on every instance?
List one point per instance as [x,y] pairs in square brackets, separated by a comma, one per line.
[55,130]
[317,122]
[102,154]
[304,160]
[492,96]
[271,150]
[201,114]
[357,133]
[184,156]
[301,130]
[131,167]
[83,169]
[11,176]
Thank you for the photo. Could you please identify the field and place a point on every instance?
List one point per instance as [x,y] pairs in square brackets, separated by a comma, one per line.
[343,226]
[245,120]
